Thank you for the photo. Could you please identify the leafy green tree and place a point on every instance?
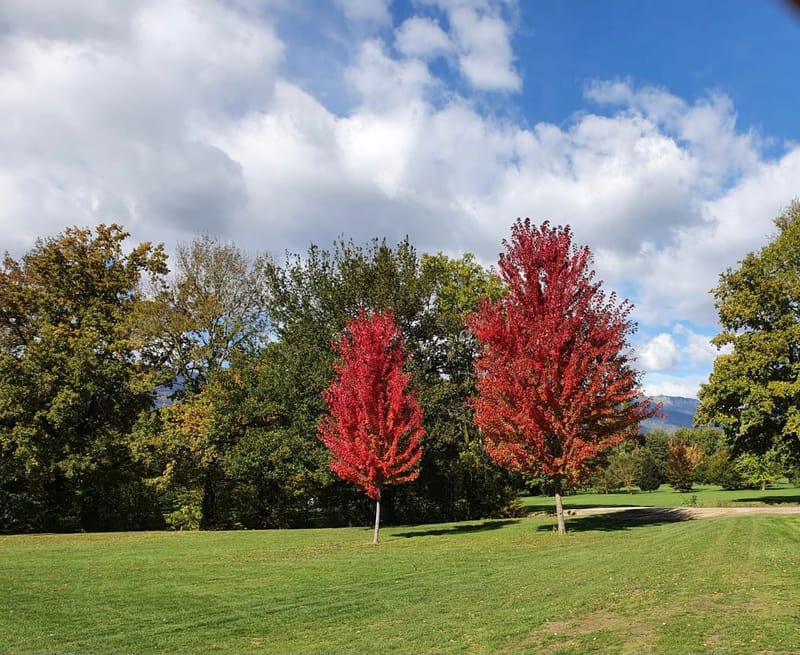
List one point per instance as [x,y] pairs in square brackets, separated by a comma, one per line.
[211,308]
[225,456]
[721,469]
[310,300]
[753,393]
[657,444]
[604,481]
[71,381]
[650,475]
[759,470]
[193,326]
[625,467]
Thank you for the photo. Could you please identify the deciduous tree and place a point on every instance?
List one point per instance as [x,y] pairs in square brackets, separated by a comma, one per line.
[556,386]
[212,308]
[374,425]
[310,300]
[682,465]
[71,379]
[753,393]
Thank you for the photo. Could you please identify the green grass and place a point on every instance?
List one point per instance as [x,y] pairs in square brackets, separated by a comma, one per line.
[699,496]
[726,585]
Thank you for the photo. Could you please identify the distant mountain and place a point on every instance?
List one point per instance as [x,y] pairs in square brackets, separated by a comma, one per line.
[678,413]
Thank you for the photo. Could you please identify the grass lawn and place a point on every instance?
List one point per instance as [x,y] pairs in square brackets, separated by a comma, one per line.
[666,496]
[728,585]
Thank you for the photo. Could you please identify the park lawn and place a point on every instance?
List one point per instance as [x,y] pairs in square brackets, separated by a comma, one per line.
[700,496]
[727,585]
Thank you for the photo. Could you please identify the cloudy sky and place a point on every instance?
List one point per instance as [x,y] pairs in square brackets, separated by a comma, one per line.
[665,133]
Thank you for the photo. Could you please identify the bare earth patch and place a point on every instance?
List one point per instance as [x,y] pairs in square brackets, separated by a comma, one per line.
[557,636]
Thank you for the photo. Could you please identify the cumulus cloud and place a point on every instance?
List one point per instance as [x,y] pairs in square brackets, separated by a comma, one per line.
[368,11]
[422,37]
[698,348]
[180,116]
[660,353]
[485,54]
[685,386]
[386,84]
[105,129]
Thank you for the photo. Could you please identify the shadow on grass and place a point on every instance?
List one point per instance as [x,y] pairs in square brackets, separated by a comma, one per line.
[623,520]
[771,500]
[459,529]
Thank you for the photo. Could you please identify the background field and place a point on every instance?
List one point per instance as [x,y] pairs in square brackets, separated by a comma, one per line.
[781,493]
[726,585]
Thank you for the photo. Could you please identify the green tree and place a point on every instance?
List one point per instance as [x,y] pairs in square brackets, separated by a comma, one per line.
[657,444]
[721,469]
[211,308]
[71,381]
[193,326]
[759,470]
[650,475]
[753,393]
[310,300]
[625,467]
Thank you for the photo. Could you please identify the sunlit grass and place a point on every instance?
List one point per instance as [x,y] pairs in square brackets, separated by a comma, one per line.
[665,496]
[720,585]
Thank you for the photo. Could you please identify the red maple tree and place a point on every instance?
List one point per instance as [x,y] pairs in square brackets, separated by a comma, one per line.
[555,383]
[374,425]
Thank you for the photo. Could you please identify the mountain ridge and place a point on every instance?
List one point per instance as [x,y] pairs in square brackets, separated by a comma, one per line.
[678,413]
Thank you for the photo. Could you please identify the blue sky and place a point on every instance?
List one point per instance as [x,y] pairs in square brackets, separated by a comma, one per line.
[664,133]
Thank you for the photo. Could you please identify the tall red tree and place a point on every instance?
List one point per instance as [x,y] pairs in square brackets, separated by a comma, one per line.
[374,424]
[555,383]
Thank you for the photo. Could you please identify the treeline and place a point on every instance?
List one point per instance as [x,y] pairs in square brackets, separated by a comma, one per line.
[683,458]
[133,396]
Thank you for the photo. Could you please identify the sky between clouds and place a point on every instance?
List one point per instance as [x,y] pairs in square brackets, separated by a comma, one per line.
[665,134]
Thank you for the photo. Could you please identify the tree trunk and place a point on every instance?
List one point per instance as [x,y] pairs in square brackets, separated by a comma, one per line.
[562,526]
[377,519]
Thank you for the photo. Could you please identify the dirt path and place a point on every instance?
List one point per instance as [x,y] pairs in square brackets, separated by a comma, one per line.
[685,513]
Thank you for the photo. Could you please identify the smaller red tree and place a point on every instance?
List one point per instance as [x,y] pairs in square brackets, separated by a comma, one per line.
[374,425]
[555,384]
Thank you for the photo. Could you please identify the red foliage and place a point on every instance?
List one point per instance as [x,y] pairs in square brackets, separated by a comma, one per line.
[374,425]
[554,381]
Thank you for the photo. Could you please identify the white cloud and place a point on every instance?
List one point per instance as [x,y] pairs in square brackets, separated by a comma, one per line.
[685,386]
[385,84]
[68,21]
[367,11]
[105,129]
[422,37]
[660,353]
[177,117]
[485,54]
[698,349]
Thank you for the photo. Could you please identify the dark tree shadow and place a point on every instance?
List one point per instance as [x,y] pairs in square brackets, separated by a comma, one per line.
[771,500]
[623,520]
[459,529]
[548,506]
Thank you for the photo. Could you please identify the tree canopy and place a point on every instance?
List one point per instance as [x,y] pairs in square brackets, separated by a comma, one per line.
[374,425]
[555,385]
[71,382]
[753,393]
